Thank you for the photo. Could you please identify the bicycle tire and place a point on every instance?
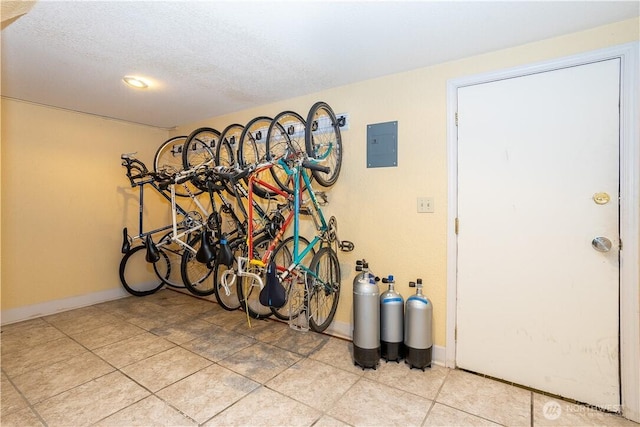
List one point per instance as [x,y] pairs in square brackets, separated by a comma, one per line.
[226,150]
[283,257]
[252,150]
[324,288]
[196,275]
[248,291]
[199,147]
[138,276]
[168,159]
[173,252]
[229,302]
[324,142]
[285,140]
[198,150]
[254,133]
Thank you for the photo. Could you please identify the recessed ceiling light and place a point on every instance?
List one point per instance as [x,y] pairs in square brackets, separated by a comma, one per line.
[136,82]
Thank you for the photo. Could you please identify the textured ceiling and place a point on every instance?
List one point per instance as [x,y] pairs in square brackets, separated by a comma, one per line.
[209,58]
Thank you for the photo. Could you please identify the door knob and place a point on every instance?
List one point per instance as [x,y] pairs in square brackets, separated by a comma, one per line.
[601,244]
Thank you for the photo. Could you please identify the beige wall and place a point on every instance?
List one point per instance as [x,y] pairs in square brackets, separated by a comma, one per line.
[376,207]
[65,198]
[61,219]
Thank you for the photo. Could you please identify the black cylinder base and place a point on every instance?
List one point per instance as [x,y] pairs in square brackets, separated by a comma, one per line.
[366,357]
[419,358]
[391,351]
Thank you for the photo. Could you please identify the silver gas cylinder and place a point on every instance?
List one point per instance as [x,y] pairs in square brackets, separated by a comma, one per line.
[366,318]
[391,322]
[418,340]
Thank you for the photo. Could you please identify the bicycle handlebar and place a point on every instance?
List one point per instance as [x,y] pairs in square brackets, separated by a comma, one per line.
[315,166]
[136,170]
[230,173]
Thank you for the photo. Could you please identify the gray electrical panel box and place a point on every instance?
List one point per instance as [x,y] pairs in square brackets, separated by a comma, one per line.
[382,145]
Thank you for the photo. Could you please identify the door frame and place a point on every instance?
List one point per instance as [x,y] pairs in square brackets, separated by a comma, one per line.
[629,209]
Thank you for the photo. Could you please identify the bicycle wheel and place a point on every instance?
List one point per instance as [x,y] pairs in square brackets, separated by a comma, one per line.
[323,142]
[226,149]
[249,289]
[323,287]
[173,252]
[138,276]
[285,140]
[283,257]
[168,159]
[197,276]
[225,277]
[252,150]
[252,145]
[199,149]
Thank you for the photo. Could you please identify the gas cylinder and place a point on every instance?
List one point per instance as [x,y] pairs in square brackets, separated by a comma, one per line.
[366,317]
[418,340]
[391,322]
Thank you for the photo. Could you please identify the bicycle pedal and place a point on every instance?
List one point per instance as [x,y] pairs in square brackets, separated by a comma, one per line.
[346,246]
[322,198]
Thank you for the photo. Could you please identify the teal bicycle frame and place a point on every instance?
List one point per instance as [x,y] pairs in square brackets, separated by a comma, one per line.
[318,217]
[299,175]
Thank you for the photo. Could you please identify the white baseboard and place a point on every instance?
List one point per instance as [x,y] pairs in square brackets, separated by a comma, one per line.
[51,307]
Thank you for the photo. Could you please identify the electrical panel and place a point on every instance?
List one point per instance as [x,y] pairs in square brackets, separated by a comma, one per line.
[382,145]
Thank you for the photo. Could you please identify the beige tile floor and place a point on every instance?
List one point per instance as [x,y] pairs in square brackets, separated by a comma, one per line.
[173,360]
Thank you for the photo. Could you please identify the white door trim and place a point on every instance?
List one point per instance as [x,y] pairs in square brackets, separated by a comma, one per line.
[629,206]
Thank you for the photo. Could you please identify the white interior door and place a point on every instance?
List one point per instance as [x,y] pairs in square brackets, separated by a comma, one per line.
[537,304]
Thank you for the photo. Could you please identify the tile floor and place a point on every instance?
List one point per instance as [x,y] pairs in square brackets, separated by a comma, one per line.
[173,360]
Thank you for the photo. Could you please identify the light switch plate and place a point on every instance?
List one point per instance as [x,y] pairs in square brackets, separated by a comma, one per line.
[426,205]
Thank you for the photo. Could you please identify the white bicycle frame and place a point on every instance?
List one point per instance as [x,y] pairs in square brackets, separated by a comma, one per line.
[175,235]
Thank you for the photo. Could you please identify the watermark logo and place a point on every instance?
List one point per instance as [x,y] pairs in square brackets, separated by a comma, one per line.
[552,410]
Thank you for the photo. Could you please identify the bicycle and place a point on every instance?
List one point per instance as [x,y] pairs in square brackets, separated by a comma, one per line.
[164,252]
[323,142]
[260,224]
[168,160]
[321,277]
[290,136]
